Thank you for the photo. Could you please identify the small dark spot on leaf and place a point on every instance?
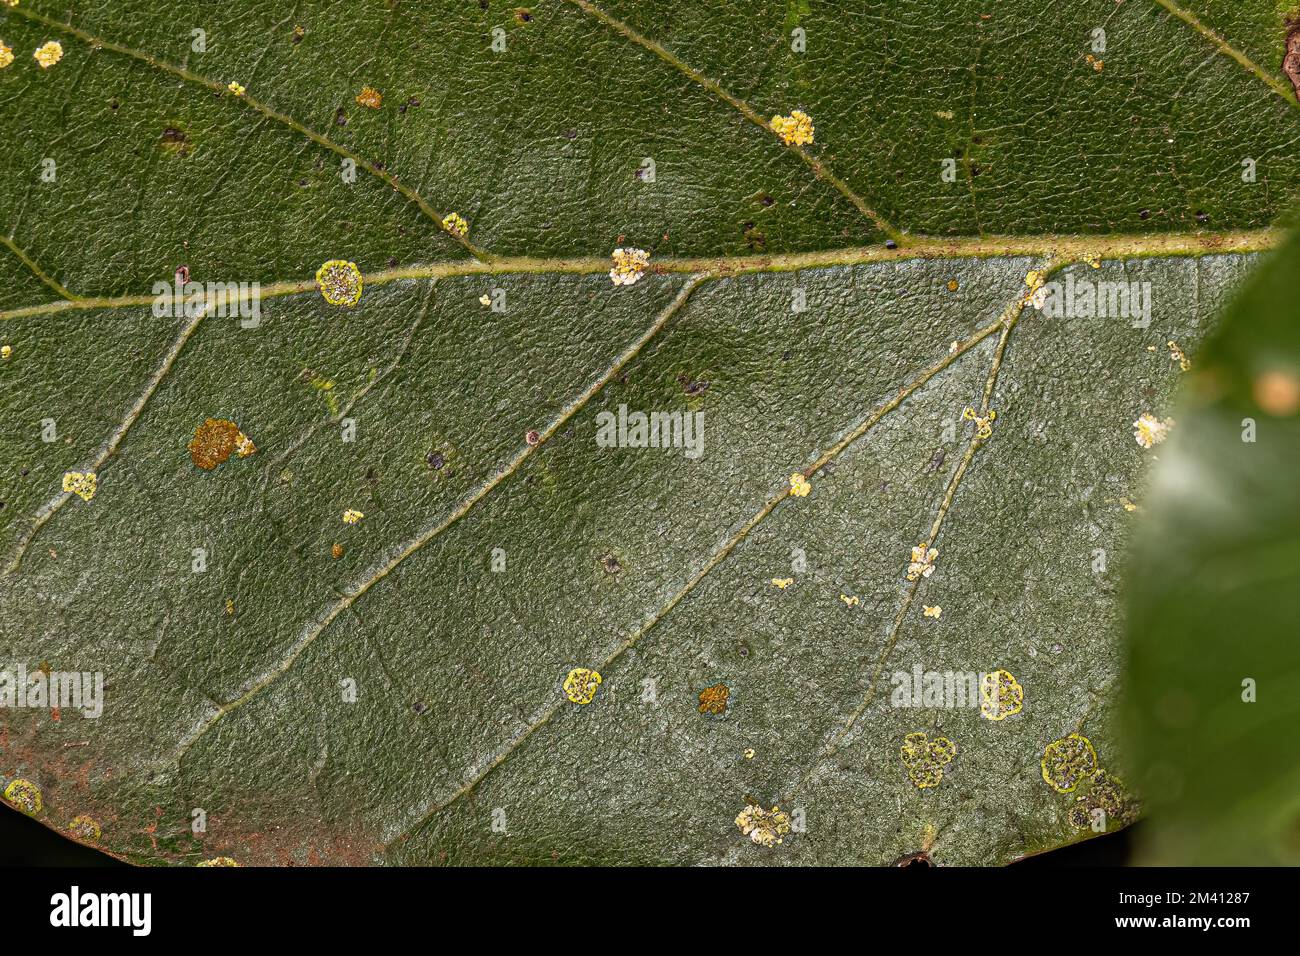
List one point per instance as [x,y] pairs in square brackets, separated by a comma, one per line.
[435,460]
[611,564]
[523,15]
[340,117]
[419,707]
[392,262]
[890,244]
[533,437]
[1144,214]
[920,859]
[1202,217]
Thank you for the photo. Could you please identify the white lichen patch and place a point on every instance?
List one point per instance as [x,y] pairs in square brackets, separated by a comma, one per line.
[1150,431]
[922,564]
[629,265]
[764,827]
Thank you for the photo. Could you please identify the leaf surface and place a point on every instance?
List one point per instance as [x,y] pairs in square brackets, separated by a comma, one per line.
[229,690]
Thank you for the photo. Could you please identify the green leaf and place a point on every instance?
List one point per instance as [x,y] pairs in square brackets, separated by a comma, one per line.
[1215,669]
[404,702]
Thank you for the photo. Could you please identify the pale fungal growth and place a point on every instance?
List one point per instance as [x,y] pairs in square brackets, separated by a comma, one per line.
[581,684]
[82,484]
[935,612]
[1038,298]
[352,516]
[764,827]
[1150,431]
[484,300]
[1178,355]
[25,796]
[849,601]
[218,861]
[455,225]
[629,265]
[922,564]
[799,486]
[782,583]
[339,282]
[236,88]
[6,55]
[926,759]
[1001,695]
[795,129]
[1068,761]
[49,53]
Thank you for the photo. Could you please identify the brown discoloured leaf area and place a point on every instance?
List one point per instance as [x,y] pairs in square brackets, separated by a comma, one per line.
[1291,60]
[215,441]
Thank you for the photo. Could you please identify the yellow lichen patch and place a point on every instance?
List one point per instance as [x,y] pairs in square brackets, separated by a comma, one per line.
[484,300]
[782,583]
[983,423]
[749,753]
[922,565]
[1127,505]
[1068,761]
[6,352]
[236,88]
[1095,63]
[953,285]
[215,440]
[935,612]
[1000,695]
[799,486]
[339,282]
[1150,431]
[1107,794]
[24,795]
[336,551]
[352,516]
[629,265]
[713,700]
[795,129]
[1179,356]
[850,601]
[49,53]
[80,483]
[925,759]
[764,827]
[6,55]
[84,828]
[580,686]
[1094,262]
[370,97]
[455,225]
[218,861]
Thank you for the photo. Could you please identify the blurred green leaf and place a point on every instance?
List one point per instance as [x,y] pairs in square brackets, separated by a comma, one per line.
[1214,695]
